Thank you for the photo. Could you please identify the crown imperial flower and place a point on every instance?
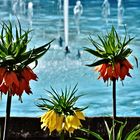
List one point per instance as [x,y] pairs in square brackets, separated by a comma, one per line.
[112,53]
[61,114]
[119,70]
[15,74]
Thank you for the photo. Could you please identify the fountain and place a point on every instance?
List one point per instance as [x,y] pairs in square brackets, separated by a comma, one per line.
[14,6]
[22,6]
[78,10]
[18,7]
[106,10]
[60,23]
[60,4]
[120,13]
[30,13]
[119,3]
[66,26]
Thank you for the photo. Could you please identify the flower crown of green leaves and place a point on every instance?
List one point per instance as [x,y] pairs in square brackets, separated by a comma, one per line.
[62,103]
[13,52]
[110,48]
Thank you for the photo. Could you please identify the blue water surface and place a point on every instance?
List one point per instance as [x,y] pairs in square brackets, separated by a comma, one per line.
[55,69]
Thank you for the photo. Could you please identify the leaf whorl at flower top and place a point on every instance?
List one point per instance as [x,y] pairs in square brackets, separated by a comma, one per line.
[62,103]
[15,73]
[13,50]
[111,51]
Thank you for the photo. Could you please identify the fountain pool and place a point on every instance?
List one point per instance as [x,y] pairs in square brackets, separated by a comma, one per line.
[59,70]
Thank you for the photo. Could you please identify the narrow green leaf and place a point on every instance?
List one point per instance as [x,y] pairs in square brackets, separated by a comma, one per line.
[99,62]
[132,135]
[119,135]
[97,54]
[126,52]
[2,37]
[80,138]
[128,41]
[53,96]
[96,44]
[72,93]
[96,135]
[136,59]
[19,26]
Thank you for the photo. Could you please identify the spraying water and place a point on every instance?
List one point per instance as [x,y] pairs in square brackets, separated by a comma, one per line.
[18,7]
[60,4]
[120,13]
[106,10]
[14,6]
[22,6]
[66,21]
[119,3]
[60,23]
[30,13]
[78,10]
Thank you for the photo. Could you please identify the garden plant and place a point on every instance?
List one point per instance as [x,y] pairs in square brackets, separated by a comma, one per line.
[62,115]
[133,134]
[15,73]
[112,64]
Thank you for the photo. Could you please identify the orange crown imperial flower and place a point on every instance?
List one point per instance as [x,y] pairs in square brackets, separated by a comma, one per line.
[16,81]
[112,52]
[15,73]
[119,70]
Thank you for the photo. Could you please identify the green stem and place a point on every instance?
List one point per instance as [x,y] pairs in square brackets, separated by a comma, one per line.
[7,117]
[114,107]
[62,136]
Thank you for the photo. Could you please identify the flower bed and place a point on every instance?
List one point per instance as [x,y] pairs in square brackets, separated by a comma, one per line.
[29,128]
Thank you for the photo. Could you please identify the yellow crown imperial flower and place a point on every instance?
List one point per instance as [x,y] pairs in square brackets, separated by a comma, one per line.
[60,123]
[79,115]
[72,122]
[61,114]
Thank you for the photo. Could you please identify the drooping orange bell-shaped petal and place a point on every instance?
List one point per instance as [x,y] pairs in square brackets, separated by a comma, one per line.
[28,89]
[10,78]
[28,74]
[22,85]
[123,72]
[117,69]
[127,64]
[109,71]
[98,68]
[2,71]
[103,70]
[14,89]
[3,88]
[105,77]
[15,79]
[7,79]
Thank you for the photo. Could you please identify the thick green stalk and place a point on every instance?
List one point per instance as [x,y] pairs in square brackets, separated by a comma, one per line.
[62,135]
[114,107]
[7,118]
